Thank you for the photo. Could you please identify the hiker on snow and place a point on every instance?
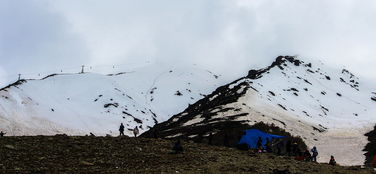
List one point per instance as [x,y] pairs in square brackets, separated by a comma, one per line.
[136,131]
[178,148]
[315,153]
[332,161]
[121,129]
[2,134]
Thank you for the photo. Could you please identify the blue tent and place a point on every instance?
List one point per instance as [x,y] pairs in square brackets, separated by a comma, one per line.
[251,137]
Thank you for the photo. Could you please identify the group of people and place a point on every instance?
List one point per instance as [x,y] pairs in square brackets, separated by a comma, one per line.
[177,148]
[122,128]
[292,149]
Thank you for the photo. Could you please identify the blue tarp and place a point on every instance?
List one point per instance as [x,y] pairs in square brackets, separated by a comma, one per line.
[251,137]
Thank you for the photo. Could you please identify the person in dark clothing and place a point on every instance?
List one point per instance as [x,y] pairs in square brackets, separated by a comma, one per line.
[332,161]
[259,144]
[2,134]
[121,129]
[268,146]
[295,148]
[288,147]
[307,156]
[178,148]
[210,139]
[155,134]
[374,161]
[226,141]
[136,131]
[315,153]
[279,147]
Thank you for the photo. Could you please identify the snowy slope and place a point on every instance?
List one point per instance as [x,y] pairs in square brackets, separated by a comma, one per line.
[329,108]
[97,103]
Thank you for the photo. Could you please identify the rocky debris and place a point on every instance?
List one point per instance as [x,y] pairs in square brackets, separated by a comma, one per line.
[111,104]
[280,60]
[272,93]
[15,84]
[178,93]
[373,98]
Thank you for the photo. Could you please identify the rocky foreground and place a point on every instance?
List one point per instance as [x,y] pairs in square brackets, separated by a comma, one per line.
[63,154]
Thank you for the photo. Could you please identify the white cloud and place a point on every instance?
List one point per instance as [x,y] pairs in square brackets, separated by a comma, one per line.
[219,34]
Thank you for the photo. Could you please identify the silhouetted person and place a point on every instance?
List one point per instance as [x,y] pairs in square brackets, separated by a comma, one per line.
[268,145]
[226,140]
[295,148]
[155,133]
[288,147]
[199,138]
[279,147]
[136,131]
[332,161]
[121,129]
[307,155]
[178,148]
[259,143]
[2,134]
[210,139]
[315,153]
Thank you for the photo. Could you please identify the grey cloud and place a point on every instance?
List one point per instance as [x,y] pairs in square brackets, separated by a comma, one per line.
[214,34]
[33,38]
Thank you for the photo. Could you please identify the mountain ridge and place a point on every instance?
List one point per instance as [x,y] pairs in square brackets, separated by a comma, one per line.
[322,106]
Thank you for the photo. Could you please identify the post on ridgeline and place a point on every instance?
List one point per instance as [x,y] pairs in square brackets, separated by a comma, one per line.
[83,69]
[19,76]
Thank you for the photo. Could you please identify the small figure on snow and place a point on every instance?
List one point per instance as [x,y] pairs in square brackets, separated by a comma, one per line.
[315,153]
[136,131]
[332,161]
[121,129]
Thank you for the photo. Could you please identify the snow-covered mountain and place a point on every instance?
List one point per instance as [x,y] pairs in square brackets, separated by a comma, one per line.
[328,108]
[77,104]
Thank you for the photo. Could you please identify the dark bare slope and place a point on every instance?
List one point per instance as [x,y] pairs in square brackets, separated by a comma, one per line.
[370,147]
[62,154]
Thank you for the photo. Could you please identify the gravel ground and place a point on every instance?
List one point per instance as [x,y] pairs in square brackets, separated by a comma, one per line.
[64,154]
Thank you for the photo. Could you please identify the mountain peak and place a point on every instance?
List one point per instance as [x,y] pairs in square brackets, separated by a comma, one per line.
[279,62]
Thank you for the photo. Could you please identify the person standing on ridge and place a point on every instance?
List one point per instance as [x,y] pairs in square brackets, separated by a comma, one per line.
[2,134]
[332,161]
[136,131]
[315,153]
[121,129]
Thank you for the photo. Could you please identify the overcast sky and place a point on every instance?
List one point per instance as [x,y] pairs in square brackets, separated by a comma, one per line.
[222,35]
